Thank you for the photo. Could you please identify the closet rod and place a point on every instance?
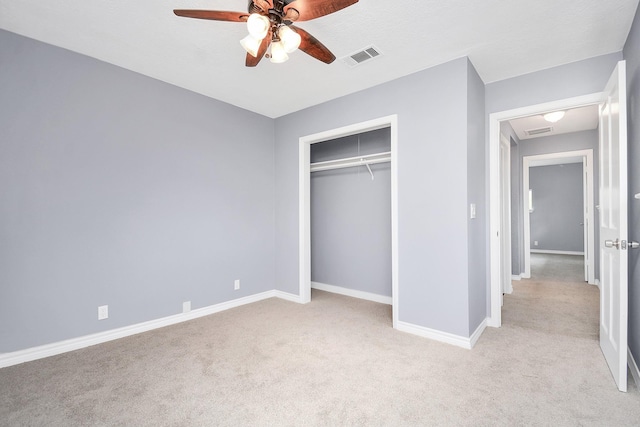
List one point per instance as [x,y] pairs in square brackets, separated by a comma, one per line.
[370,159]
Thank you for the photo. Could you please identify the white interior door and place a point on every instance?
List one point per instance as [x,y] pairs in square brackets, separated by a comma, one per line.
[613,226]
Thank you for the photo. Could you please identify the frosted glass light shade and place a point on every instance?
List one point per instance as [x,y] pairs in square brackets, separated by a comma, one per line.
[290,39]
[278,55]
[258,26]
[251,45]
[554,117]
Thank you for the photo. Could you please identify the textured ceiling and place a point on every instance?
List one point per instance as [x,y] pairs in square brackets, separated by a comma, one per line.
[502,38]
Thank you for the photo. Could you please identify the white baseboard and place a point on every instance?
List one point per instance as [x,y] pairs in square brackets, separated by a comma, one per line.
[516,277]
[40,352]
[287,296]
[633,367]
[597,283]
[552,252]
[383,299]
[479,330]
[444,337]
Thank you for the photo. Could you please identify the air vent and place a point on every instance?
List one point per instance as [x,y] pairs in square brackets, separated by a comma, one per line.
[532,132]
[361,56]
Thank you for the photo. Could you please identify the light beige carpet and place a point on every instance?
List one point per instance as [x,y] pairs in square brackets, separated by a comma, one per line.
[335,361]
[557,268]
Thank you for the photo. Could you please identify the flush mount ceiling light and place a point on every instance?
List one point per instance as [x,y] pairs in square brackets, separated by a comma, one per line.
[270,26]
[554,116]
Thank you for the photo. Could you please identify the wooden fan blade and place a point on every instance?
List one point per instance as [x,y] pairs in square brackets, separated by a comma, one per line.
[263,5]
[312,46]
[311,9]
[214,15]
[251,60]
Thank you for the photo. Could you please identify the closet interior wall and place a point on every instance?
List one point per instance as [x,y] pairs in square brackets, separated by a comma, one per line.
[351,215]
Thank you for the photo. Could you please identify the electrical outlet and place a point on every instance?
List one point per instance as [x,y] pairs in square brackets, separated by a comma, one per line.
[103,312]
[472,211]
[236,284]
[186,306]
[535,243]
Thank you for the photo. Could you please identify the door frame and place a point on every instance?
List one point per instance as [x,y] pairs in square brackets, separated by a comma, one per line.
[505,225]
[588,210]
[304,209]
[495,318]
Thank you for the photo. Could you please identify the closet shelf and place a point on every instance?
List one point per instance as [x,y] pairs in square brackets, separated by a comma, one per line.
[370,159]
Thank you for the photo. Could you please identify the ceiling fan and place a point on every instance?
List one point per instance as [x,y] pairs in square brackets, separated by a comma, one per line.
[270,25]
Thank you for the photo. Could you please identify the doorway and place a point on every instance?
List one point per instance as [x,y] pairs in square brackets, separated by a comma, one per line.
[613,224]
[351,216]
[495,187]
[304,180]
[584,158]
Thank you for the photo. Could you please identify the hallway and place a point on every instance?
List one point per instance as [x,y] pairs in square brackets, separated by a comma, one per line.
[556,299]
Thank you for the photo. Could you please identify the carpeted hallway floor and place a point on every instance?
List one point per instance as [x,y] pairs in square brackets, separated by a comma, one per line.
[557,268]
[335,361]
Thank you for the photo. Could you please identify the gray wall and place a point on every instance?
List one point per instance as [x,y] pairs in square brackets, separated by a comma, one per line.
[556,144]
[351,216]
[432,158]
[632,56]
[119,189]
[558,207]
[477,194]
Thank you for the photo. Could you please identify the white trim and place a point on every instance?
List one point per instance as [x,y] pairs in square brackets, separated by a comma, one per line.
[597,283]
[476,334]
[304,198]
[383,299]
[495,319]
[505,226]
[287,296]
[516,277]
[530,161]
[47,350]
[553,252]
[633,367]
[444,337]
[304,222]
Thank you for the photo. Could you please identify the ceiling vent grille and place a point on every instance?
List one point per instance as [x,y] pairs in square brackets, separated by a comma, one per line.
[361,56]
[532,132]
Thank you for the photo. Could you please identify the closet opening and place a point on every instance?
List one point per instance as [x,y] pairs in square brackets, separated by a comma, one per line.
[348,212]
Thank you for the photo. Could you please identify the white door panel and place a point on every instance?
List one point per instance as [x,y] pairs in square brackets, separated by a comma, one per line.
[613,226]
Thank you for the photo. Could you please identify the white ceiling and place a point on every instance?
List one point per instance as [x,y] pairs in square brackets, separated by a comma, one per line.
[502,38]
[575,120]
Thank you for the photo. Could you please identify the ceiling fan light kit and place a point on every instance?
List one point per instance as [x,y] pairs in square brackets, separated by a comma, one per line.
[258,26]
[290,39]
[251,45]
[278,54]
[270,26]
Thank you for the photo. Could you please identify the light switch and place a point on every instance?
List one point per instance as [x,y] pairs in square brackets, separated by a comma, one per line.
[472,211]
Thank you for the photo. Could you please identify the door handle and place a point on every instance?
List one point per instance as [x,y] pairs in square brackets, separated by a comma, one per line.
[634,245]
[612,243]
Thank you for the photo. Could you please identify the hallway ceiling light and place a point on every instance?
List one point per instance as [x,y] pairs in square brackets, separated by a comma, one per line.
[554,117]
